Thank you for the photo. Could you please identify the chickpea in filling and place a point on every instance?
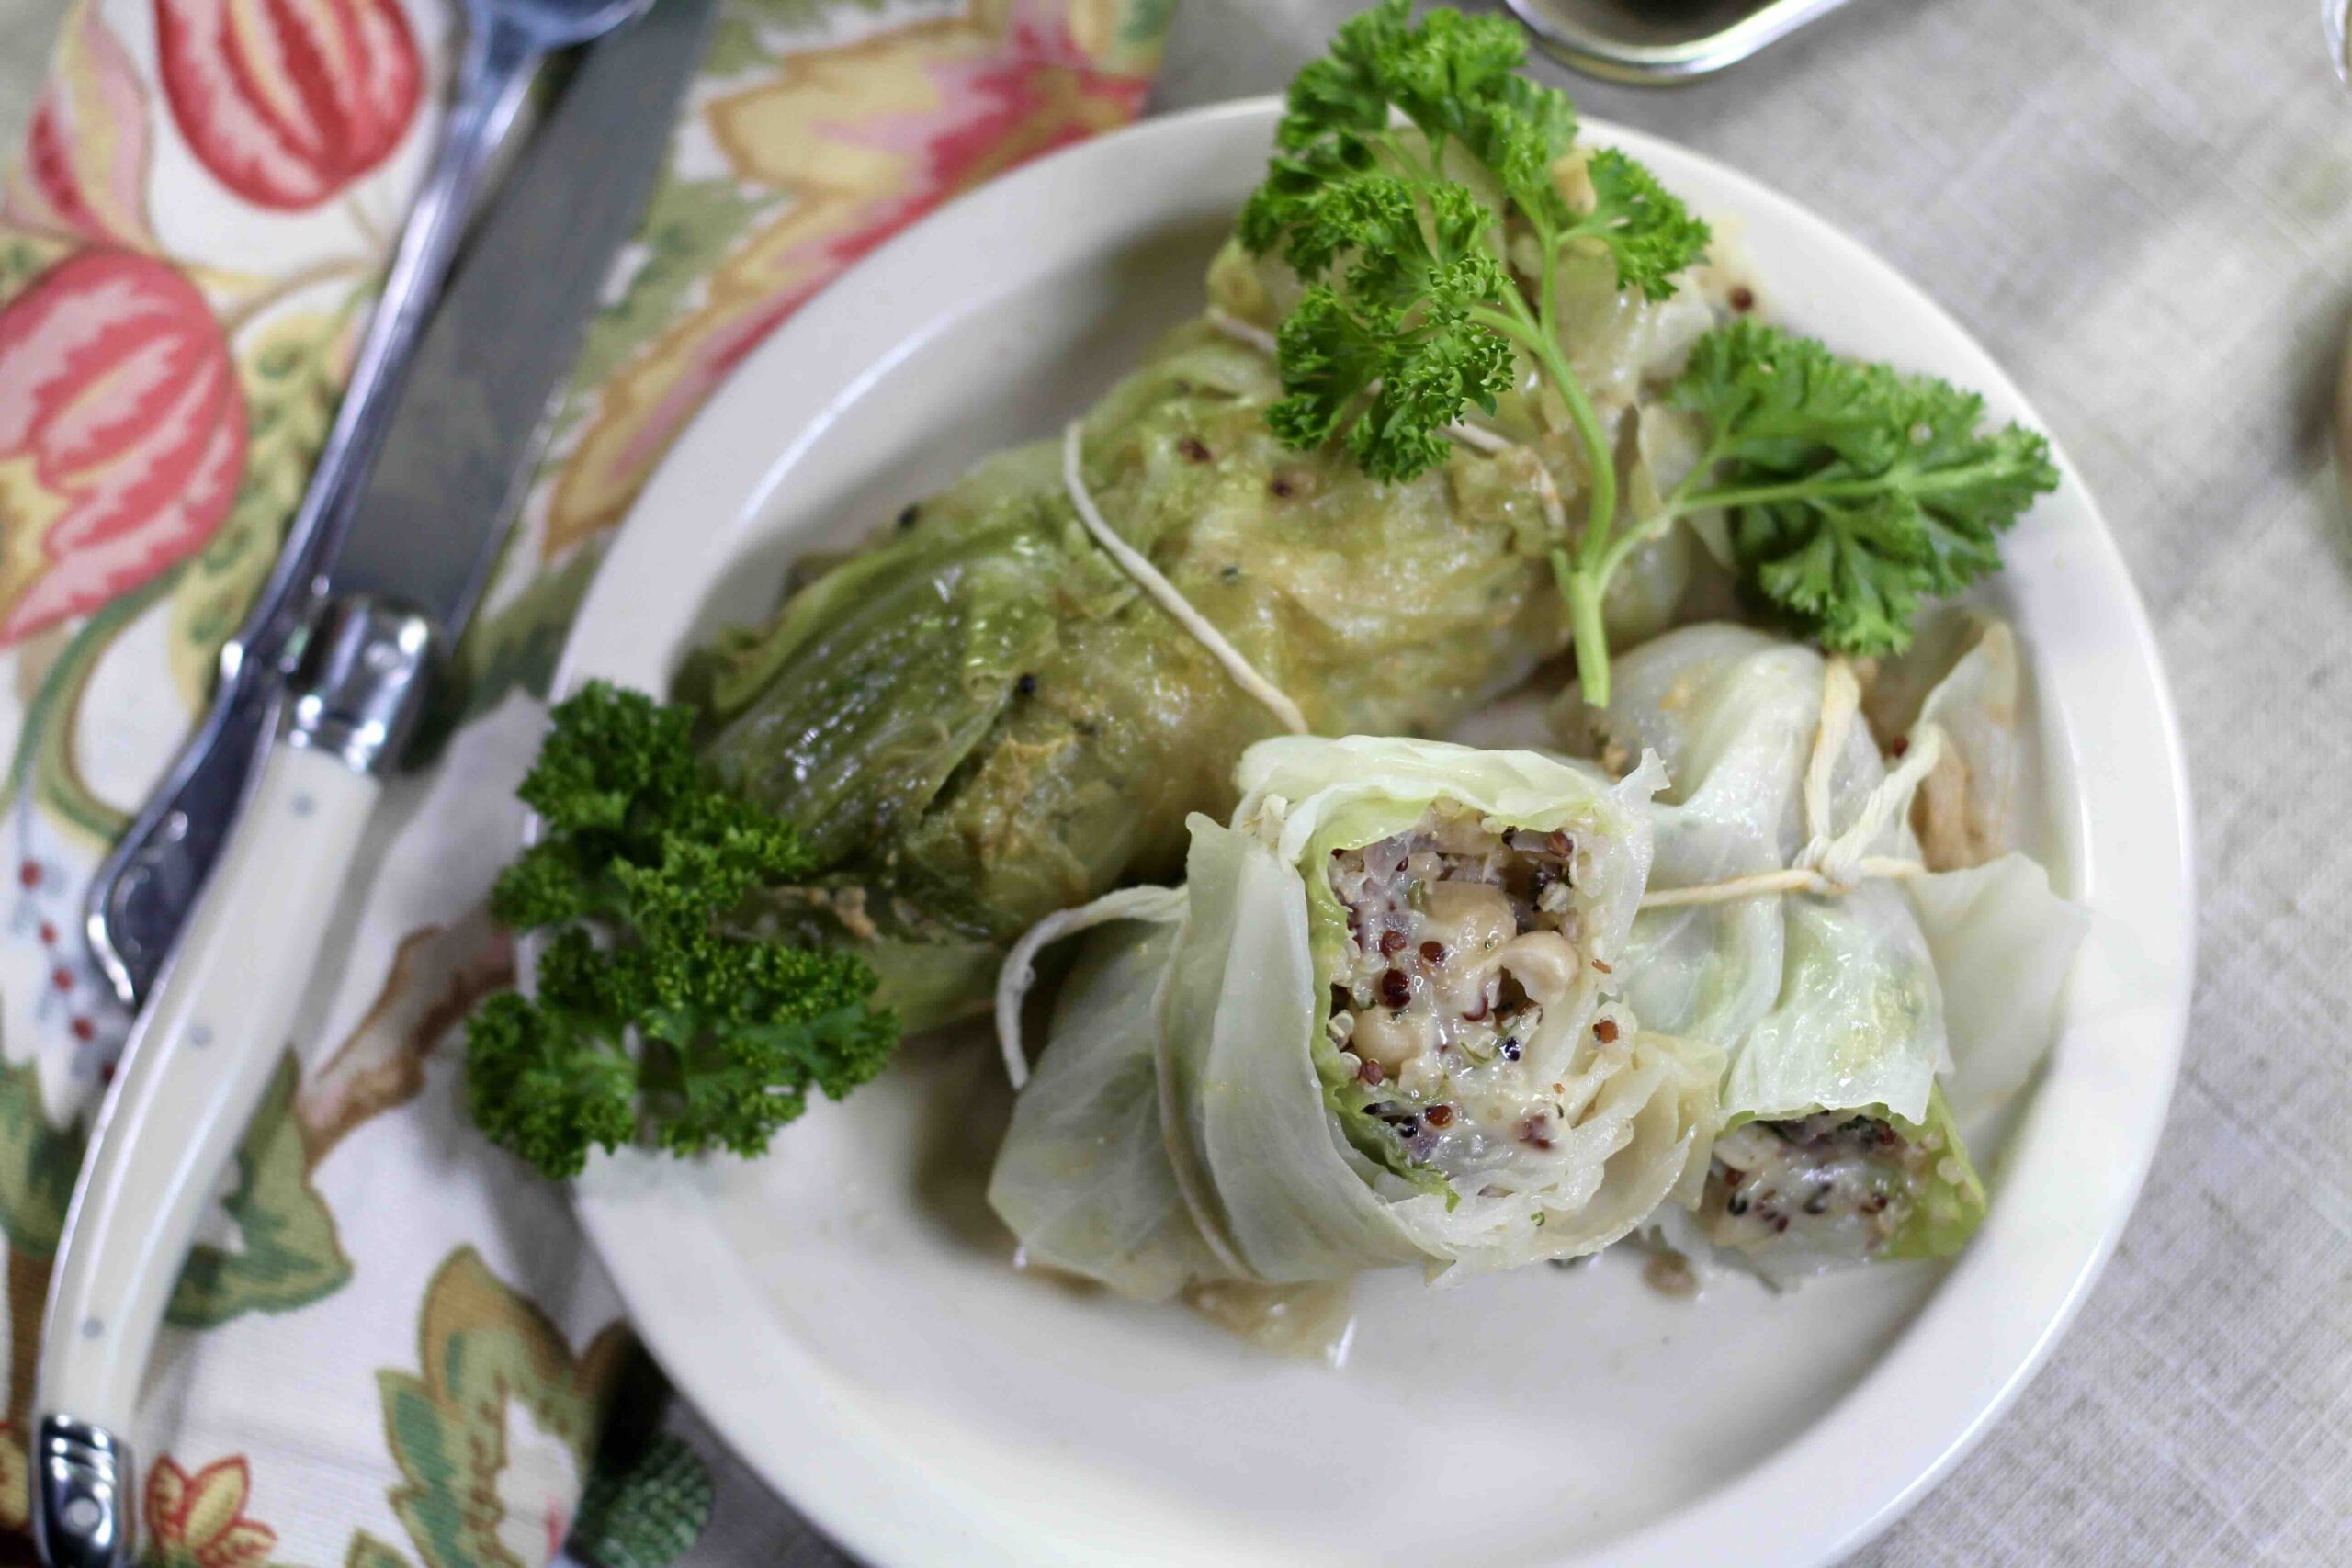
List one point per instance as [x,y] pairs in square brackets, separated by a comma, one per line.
[1833,1181]
[1462,979]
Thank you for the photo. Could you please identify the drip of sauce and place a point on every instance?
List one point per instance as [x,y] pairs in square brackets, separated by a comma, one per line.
[1669,1273]
[1315,1320]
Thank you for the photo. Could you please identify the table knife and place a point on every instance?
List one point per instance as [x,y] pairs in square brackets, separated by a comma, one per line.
[393,595]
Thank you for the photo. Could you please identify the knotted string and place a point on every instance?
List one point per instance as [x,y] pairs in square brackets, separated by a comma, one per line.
[1831,864]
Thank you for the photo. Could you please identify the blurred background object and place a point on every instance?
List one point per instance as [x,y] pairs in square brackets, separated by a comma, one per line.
[1658,42]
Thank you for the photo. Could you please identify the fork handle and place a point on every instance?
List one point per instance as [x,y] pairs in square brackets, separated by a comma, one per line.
[200,1061]
[194,1072]
[145,889]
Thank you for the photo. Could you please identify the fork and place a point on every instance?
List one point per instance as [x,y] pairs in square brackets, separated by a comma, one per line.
[106,1297]
[143,891]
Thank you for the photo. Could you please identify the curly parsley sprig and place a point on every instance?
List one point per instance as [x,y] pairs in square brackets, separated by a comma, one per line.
[1854,489]
[675,1029]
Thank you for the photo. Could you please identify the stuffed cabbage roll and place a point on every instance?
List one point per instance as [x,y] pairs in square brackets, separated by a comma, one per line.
[1376,1026]
[1829,997]
[980,718]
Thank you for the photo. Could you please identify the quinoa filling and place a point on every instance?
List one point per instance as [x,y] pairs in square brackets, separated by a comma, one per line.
[1462,994]
[1831,1182]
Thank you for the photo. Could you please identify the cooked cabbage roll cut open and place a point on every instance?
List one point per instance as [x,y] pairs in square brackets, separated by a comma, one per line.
[1375,1027]
[1868,1004]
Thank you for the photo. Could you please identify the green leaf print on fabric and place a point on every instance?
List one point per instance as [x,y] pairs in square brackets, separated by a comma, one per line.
[292,372]
[289,1255]
[44,759]
[647,1515]
[495,1367]
[367,1551]
[688,226]
[1148,23]
[38,1164]
[24,257]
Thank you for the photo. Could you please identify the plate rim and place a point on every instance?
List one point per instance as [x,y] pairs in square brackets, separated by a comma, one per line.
[857,1510]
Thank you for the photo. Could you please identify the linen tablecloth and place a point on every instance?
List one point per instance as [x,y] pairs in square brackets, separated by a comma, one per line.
[390,1346]
[2144,211]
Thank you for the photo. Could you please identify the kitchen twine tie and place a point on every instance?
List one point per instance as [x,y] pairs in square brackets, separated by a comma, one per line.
[1149,578]
[1832,865]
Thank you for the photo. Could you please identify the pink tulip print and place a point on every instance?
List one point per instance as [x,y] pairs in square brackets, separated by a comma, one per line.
[288,101]
[122,434]
[83,167]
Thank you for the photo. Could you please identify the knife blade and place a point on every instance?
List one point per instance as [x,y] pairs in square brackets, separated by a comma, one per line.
[463,443]
[491,373]
[393,586]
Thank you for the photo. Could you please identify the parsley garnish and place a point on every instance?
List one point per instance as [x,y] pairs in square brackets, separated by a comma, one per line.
[676,1029]
[1408,154]
[1854,490]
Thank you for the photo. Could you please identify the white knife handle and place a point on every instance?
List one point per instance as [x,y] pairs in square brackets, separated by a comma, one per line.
[199,1061]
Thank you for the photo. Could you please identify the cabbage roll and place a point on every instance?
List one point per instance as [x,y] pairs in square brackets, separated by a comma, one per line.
[1843,1053]
[1376,1026]
[980,719]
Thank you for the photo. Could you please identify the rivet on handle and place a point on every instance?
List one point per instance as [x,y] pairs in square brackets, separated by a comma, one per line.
[82,1495]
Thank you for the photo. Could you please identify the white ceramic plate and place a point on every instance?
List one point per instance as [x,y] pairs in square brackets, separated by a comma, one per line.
[842,1310]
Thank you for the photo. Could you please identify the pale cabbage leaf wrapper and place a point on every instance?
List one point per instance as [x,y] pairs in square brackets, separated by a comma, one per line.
[2004,943]
[1920,1002]
[1191,1117]
[1961,675]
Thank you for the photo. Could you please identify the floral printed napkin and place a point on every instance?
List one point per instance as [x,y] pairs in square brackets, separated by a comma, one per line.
[391,1347]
